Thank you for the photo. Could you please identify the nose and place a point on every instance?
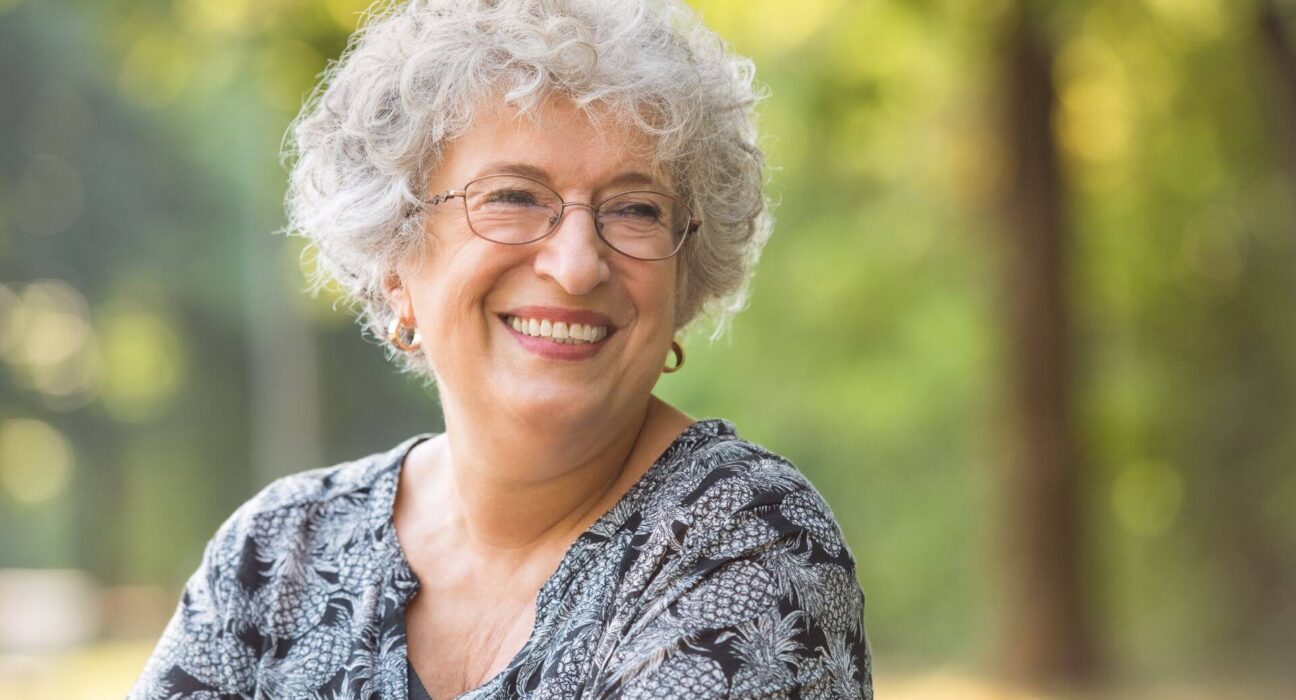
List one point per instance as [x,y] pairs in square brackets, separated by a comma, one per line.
[573,255]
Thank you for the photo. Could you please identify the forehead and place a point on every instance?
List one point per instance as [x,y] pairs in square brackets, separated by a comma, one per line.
[567,145]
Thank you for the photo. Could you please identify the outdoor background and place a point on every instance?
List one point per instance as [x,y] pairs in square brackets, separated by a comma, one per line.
[1027,320]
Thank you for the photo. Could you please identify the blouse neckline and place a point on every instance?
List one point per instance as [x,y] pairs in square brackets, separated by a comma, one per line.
[604,524]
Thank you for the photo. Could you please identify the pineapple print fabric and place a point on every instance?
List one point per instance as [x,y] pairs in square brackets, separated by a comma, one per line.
[720,574]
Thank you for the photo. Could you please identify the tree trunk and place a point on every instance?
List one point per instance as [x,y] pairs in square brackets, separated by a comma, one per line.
[1047,637]
[1280,51]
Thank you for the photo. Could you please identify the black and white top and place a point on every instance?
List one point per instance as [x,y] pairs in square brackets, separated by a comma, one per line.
[720,574]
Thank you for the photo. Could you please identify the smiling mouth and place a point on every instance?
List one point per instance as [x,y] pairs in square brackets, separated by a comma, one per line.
[558,332]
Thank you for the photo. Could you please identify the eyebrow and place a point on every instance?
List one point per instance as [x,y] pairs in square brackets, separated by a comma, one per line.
[628,178]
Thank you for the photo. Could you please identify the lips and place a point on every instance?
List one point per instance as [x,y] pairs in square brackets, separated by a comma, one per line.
[555,350]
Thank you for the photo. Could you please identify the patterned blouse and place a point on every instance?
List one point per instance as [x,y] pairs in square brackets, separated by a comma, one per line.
[720,574]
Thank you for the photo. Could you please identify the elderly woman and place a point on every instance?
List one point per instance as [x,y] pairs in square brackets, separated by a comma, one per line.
[531,199]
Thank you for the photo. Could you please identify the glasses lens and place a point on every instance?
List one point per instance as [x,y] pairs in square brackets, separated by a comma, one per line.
[508,209]
[647,225]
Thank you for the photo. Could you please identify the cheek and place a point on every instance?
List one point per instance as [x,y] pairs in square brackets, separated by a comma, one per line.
[657,300]
[455,280]
[668,290]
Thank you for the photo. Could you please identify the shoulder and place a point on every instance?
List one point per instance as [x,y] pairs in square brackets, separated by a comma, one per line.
[311,504]
[325,483]
[756,594]
[723,479]
[267,574]
[738,523]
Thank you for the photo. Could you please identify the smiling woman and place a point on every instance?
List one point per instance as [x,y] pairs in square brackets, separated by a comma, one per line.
[530,200]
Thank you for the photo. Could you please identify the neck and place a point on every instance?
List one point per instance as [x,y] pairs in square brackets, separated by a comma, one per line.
[513,488]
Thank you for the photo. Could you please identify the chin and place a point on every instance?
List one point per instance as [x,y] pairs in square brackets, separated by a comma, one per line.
[556,403]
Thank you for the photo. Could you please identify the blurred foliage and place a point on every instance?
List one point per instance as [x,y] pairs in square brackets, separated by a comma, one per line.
[139,282]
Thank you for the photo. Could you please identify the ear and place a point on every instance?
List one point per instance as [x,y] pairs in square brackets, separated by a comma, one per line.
[398,298]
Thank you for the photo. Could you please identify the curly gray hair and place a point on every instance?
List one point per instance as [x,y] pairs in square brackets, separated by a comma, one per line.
[410,79]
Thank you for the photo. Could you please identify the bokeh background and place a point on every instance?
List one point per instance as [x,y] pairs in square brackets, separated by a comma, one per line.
[1026,320]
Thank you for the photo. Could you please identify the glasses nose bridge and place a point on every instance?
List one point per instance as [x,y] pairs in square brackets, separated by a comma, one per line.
[592,207]
[562,211]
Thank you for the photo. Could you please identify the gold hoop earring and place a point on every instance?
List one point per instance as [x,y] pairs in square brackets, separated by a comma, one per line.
[678,350]
[395,333]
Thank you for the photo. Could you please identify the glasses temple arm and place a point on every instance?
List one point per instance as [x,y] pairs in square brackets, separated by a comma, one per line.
[444,196]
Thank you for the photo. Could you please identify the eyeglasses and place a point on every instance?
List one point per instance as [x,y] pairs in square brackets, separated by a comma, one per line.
[516,210]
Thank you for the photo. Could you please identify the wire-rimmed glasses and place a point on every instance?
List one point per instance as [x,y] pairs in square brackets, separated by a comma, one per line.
[516,210]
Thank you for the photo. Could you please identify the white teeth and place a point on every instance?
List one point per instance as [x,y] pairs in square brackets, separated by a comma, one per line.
[558,331]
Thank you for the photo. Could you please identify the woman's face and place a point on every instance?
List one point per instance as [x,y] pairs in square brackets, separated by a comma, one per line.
[466,289]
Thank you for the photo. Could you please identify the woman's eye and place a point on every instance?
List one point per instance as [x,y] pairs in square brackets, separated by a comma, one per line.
[518,197]
[638,211]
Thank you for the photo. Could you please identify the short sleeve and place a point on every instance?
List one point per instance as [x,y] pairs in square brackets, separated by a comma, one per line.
[201,653]
[767,605]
